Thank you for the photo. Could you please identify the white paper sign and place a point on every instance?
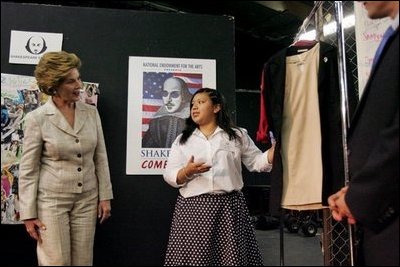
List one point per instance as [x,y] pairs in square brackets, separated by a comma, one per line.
[28,47]
[368,36]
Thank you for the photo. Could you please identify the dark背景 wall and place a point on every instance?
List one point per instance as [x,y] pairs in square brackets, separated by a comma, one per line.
[104,39]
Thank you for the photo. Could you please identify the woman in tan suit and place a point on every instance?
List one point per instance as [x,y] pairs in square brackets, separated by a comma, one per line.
[64,182]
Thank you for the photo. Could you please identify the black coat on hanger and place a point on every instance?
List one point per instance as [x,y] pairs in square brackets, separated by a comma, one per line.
[330,115]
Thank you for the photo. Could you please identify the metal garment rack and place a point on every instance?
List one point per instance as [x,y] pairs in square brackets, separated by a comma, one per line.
[317,6]
[316,12]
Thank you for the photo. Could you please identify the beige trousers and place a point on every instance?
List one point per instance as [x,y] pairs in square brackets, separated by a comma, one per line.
[70,220]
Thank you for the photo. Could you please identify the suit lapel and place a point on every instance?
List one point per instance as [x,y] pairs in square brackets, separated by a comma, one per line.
[58,120]
[80,116]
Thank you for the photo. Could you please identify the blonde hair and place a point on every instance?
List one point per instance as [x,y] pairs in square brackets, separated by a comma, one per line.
[53,68]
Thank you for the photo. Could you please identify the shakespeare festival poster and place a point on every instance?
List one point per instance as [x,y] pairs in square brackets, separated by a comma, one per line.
[159,94]
[19,96]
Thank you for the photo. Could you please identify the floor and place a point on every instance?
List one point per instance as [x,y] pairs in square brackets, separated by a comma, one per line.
[299,250]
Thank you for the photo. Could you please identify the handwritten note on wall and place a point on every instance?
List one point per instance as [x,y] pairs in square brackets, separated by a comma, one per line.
[368,36]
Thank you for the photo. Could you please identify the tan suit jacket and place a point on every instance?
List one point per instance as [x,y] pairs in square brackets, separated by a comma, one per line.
[59,158]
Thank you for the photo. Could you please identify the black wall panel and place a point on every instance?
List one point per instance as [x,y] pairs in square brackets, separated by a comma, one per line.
[138,230]
[247,116]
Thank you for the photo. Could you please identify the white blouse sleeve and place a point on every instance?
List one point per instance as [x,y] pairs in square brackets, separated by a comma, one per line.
[176,161]
[252,157]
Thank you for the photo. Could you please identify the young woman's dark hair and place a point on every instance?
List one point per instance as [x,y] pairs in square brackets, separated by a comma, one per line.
[223,119]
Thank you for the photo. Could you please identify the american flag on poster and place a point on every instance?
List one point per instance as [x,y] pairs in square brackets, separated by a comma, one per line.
[153,87]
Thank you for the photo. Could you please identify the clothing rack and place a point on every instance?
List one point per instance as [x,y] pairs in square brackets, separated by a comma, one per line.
[316,13]
[345,114]
[317,7]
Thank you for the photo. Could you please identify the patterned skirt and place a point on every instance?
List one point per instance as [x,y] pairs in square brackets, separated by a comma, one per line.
[212,230]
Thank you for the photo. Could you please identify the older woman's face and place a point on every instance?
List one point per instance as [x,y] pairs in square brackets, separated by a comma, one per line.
[69,89]
[172,95]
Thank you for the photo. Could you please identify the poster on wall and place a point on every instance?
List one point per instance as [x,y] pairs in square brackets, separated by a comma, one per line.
[29,47]
[90,93]
[159,94]
[19,96]
[369,34]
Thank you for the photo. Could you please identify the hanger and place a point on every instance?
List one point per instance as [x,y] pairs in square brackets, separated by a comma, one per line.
[306,43]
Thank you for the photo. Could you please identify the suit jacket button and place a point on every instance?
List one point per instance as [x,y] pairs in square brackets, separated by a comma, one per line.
[79,155]
[79,169]
[77,140]
[79,184]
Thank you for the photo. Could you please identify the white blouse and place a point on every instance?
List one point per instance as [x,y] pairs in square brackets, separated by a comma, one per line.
[223,155]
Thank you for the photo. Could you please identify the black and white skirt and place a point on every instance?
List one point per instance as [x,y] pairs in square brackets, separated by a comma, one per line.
[212,230]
